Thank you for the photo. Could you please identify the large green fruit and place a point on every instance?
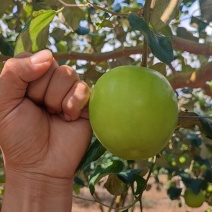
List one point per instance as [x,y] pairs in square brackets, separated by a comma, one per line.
[133,112]
[193,200]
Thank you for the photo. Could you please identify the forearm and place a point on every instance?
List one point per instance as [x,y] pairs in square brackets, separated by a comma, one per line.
[34,192]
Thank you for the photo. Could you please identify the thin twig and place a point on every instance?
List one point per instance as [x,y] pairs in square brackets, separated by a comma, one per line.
[112,203]
[100,206]
[82,198]
[139,198]
[145,54]
[120,208]
[145,45]
[141,205]
[94,6]
[151,169]
[95,200]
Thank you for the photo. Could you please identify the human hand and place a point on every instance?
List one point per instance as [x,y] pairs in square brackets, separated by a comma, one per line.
[44,126]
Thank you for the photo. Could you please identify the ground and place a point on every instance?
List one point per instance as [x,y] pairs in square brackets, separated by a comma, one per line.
[153,201]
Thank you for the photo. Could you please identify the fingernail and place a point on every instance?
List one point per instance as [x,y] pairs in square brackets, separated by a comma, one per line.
[67,117]
[41,57]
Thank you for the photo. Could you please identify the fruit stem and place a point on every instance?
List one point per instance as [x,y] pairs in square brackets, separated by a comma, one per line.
[147,8]
[144,55]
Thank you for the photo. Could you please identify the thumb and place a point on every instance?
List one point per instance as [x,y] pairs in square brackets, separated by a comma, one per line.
[30,68]
[18,72]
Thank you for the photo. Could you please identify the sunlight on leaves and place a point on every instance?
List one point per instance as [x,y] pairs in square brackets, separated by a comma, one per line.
[163,12]
[160,45]
[34,36]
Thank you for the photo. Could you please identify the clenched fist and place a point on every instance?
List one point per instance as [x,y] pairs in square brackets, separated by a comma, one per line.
[44,131]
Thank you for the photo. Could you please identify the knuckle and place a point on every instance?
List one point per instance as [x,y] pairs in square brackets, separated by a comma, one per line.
[84,88]
[67,72]
[10,63]
[9,68]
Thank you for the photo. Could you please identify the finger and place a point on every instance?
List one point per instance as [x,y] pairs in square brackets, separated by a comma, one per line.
[75,101]
[84,113]
[36,90]
[61,82]
[18,72]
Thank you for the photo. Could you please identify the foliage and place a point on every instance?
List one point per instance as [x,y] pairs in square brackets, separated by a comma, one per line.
[98,35]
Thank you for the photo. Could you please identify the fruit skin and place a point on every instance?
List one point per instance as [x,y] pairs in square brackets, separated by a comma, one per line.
[133,111]
[193,200]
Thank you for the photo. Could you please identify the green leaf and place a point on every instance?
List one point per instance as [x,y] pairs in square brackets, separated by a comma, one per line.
[79,181]
[76,188]
[195,140]
[174,192]
[6,7]
[58,34]
[95,151]
[112,167]
[210,84]
[106,23]
[114,185]
[184,33]
[51,2]
[130,176]
[5,47]
[206,127]
[160,67]
[27,11]
[34,36]
[78,184]
[208,175]
[141,184]
[194,184]
[72,17]
[1,66]
[163,12]
[166,31]
[198,23]
[2,178]
[97,41]
[161,46]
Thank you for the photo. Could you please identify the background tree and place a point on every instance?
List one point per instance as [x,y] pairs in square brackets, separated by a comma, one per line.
[170,36]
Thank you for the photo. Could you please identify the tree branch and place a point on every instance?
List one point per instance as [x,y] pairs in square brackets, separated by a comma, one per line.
[99,57]
[195,79]
[145,45]
[182,44]
[94,6]
[178,44]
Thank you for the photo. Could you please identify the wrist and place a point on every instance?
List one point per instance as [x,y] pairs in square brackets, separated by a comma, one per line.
[36,192]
